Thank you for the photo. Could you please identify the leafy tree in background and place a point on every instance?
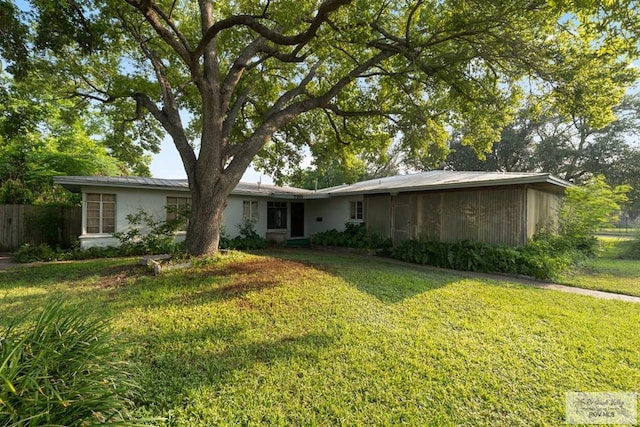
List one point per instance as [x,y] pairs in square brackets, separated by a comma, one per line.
[42,137]
[229,81]
[574,150]
[513,153]
[45,131]
[615,153]
[567,148]
[13,39]
[587,208]
[337,167]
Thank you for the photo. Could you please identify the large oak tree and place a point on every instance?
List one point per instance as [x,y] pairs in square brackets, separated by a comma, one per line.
[232,80]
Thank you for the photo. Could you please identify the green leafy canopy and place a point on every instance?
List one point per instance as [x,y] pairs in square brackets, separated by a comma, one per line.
[229,81]
[433,66]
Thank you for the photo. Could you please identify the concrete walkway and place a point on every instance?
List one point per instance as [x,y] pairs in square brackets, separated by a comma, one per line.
[554,286]
[527,281]
[5,261]
[589,292]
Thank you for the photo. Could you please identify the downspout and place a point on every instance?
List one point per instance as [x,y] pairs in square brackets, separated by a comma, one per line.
[524,216]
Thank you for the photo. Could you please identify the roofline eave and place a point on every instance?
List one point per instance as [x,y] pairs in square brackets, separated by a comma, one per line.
[548,179]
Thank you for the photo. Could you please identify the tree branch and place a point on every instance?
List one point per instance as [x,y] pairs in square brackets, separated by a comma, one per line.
[412,13]
[174,129]
[252,22]
[232,114]
[274,120]
[169,115]
[237,69]
[158,67]
[83,95]
[362,113]
[167,19]
[292,57]
[336,131]
[156,23]
[291,94]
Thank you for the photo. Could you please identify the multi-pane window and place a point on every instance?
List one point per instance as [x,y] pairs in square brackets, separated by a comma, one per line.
[249,211]
[356,211]
[178,208]
[276,215]
[101,213]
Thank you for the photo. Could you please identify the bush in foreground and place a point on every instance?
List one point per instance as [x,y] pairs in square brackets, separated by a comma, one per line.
[62,369]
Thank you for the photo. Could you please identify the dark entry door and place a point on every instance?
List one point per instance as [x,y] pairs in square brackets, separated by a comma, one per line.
[297,219]
[400,222]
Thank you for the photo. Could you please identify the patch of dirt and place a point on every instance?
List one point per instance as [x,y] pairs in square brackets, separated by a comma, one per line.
[272,266]
[114,277]
[259,274]
[255,275]
[243,302]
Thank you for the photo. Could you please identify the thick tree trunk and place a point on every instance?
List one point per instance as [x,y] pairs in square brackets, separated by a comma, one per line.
[205,220]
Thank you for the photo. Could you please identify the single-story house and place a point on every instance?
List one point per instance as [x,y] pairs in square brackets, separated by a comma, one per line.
[492,207]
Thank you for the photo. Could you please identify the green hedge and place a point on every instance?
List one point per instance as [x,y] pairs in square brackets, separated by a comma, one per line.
[539,259]
[354,236]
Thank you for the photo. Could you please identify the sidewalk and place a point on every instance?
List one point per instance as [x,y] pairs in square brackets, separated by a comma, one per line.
[541,284]
[562,288]
[5,261]
[526,281]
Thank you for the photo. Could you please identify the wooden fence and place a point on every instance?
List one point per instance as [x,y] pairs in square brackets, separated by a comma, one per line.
[21,224]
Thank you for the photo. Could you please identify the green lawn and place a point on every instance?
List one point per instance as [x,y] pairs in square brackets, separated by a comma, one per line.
[305,338]
[622,232]
[607,272]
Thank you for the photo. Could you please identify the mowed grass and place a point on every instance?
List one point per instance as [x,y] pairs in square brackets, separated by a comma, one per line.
[607,271]
[621,232]
[308,338]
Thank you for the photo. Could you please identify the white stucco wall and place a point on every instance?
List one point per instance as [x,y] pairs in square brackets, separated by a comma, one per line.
[233,215]
[334,212]
[327,214]
[130,201]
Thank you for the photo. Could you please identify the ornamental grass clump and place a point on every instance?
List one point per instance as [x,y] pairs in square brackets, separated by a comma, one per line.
[62,368]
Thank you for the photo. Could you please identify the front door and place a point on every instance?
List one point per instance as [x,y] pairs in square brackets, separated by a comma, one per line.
[400,222]
[297,219]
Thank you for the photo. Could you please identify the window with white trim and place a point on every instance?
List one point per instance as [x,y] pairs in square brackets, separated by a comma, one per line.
[249,211]
[357,211]
[276,215]
[101,213]
[178,206]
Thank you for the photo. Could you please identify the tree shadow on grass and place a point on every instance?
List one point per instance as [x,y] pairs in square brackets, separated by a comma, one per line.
[390,281]
[125,285]
[72,279]
[236,279]
[45,275]
[193,362]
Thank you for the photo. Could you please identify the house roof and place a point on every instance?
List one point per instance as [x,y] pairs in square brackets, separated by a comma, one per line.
[440,180]
[75,184]
[423,181]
